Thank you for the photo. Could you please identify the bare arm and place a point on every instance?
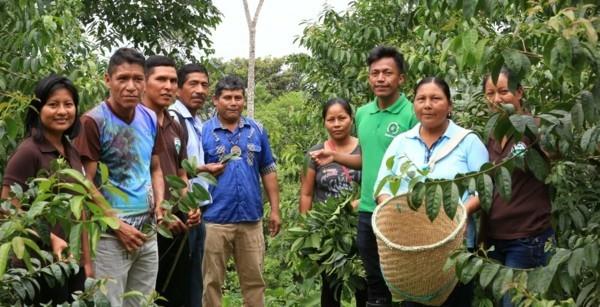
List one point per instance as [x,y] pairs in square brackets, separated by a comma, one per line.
[130,237]
[158,184]
[325,156]
[272,190]
[306,190]
[472,204]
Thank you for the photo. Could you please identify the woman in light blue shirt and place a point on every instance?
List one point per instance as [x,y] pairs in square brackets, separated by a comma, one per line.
[433,106]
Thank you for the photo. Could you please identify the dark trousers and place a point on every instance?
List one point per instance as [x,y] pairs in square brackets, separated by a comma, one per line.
[331,297]
[377,290]
[59,293]
[178,288]
[196,241]
[524,253]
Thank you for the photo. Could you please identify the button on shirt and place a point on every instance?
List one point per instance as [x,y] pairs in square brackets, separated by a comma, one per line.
[193,124]
[237,196]
[467,156]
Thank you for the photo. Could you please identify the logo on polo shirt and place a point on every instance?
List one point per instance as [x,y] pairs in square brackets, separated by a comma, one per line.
[392,129]
[177,143]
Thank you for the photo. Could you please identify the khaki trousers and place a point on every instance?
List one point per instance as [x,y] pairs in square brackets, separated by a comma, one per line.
[246,242]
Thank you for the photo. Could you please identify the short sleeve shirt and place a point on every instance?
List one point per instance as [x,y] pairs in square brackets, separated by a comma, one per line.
[468,156]
[126,149]
[332,179]
[376,128]
[32,156]
[174,148]
[528,212]
[237,197]
[193,124]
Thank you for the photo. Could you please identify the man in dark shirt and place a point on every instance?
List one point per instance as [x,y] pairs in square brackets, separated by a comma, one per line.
[161,86]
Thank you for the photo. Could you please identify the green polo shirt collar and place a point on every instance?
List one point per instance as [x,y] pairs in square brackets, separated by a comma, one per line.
[395,108]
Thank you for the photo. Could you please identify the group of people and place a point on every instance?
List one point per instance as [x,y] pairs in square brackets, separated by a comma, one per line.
[149,124]
[142,132]
[391,127]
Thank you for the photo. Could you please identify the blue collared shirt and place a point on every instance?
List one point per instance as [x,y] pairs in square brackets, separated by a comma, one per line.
[193,125]
[467,156]
[237,196]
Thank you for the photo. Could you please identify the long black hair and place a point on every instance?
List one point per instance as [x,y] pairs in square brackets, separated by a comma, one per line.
[43,90]
[333,101]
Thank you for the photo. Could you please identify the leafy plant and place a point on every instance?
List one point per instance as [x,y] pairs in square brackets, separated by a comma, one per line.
[323,241]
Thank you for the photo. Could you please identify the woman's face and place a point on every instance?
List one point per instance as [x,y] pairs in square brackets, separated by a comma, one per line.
[338,122]
[59,112]
[500,94]
[432,106]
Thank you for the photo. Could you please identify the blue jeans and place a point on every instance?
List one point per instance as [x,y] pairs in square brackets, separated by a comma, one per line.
[523,253]
[377,290]
[196,240]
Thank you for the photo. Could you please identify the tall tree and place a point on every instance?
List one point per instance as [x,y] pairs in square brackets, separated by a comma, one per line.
[252,52]
[179,28]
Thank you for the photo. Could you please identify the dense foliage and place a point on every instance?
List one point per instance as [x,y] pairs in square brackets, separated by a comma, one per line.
[552,48]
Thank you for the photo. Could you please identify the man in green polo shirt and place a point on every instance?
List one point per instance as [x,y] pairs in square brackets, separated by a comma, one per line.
[377,122]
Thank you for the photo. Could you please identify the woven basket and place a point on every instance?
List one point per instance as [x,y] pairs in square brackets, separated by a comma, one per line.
[413,250]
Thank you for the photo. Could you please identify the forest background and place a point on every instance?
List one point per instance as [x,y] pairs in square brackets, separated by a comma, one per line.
[551,46]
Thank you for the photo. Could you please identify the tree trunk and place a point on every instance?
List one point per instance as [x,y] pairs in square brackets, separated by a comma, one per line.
[252,54]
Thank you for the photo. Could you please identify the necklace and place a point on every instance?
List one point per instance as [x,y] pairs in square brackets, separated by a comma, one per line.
[235,148]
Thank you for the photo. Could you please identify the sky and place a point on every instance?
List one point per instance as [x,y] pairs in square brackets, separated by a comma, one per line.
[279,23]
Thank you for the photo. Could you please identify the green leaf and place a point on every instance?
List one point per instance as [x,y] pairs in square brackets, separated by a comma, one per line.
[577,116]
[18,247]
[116,192]
[587,143]
[175,182]
[103,172]
[491,125]
[485,187]
[77,176]
[200,193]
[472,270]
[74,187]
[435,195]
[519,122]
[590,251]
[504,183]
[75,240]
[469,9]
[208,178]
[502,281]
[164,231]
[76,204]
[111,221]
[589,107]
[382,183]
[389,162]
[487,273]
[4,251]
[575,262]
[451,199]
[394,185]
[417,195]
[538,165]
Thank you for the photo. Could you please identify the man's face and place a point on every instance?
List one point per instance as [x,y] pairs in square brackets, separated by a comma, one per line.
[126,85]
[161,87]
[385,78]
[230,104]
[194,91]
